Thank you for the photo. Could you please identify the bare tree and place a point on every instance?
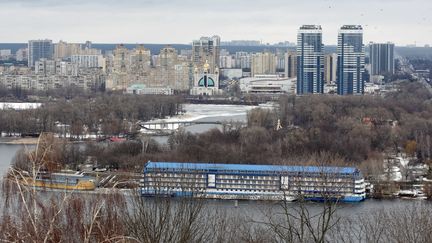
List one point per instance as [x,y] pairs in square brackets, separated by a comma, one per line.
[398,224]
[304,221]
[31,214]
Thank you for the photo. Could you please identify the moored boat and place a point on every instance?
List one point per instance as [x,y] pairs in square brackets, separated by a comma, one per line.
[60,181]
[253,182]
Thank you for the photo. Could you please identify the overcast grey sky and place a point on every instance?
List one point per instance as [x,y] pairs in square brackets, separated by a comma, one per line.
[180,21]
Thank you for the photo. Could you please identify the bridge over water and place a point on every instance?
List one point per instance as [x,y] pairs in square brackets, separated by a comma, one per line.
[174,125]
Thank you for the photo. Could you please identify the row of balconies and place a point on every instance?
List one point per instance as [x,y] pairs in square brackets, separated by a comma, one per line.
[180,180]
[306,177]
[174,175]
[174,184]
[250,187]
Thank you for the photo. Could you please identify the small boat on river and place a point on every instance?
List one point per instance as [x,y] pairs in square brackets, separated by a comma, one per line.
[61,181]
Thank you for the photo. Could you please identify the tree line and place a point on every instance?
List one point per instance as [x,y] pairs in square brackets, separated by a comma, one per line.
[107,114]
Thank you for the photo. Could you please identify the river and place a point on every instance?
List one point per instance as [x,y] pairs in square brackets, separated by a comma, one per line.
[7,153]
[238,113]
[207,113]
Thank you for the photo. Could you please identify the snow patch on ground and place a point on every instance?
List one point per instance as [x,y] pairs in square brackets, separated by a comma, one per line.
[19,106]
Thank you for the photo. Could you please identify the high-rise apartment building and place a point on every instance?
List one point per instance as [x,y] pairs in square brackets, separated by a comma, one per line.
[280,61]
[121,60]
[263,63]
[227,61]
[64,50]
[38,49]
[351,60]
[89,61]
[242,60]
[128,68]
[140,60]
[310,60]
[167,57]
[381,56]
[206,50]
[291,64]
[44,67]
[330,68]
[170,70]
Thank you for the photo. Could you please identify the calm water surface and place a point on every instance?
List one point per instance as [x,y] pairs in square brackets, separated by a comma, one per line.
[7,153]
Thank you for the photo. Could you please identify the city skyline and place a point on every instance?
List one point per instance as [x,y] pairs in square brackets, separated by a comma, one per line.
[179,22]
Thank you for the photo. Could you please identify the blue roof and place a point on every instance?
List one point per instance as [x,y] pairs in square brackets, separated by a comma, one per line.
[249,168]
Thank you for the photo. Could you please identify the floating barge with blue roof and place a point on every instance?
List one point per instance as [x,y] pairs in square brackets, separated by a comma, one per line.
[252,182]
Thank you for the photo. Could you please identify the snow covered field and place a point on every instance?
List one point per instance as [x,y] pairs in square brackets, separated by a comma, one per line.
[205,112]
[200,111]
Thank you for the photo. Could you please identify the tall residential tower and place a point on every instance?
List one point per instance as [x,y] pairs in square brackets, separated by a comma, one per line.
[351,60]
[38,49]
[310,60]
[381,58]
[290,64]
[263,63]
[206,50]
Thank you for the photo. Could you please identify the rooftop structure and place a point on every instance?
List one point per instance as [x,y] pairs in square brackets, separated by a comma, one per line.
[248,168]
[351,27]
[310,27]
[268,84]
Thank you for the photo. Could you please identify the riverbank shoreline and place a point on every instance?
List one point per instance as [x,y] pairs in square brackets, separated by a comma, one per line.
[18,141]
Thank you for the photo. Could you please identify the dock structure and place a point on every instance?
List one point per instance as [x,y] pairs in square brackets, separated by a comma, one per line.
[253,182]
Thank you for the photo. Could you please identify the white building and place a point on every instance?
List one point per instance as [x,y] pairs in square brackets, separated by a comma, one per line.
[243,60]
[51,67]
[89,61]
[268,84]
[371,88]
[44,82]
[227,61]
